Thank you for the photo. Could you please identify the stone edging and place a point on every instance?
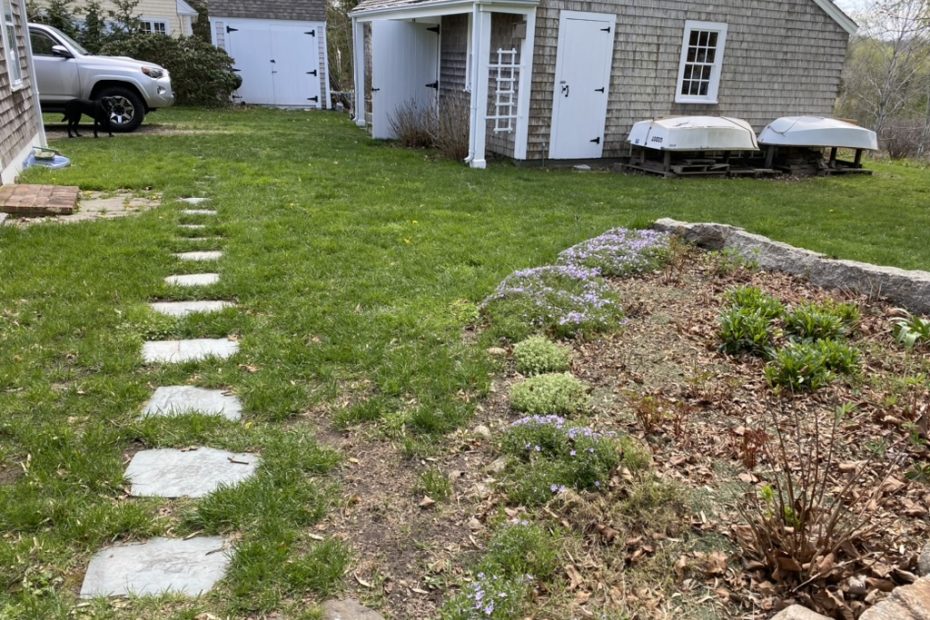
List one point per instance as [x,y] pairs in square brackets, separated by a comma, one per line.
[909,289]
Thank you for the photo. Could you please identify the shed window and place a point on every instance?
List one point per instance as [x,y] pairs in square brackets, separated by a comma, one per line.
[154,26]
[701,62]
[10,47]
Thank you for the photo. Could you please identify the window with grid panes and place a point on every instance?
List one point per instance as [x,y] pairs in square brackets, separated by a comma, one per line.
[701,62]
[10,48]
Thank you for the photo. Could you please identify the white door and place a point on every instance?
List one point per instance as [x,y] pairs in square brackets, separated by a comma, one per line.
[279,61]
[582,85]
[404,69]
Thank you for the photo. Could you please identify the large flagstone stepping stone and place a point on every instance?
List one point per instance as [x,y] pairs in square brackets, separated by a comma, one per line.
[175,400]
[198,212]
[194,200]
[177,351]
[192,226]
[194,279]
[201,238]
[192,473]
[159,566]
[183,308]
[200,256]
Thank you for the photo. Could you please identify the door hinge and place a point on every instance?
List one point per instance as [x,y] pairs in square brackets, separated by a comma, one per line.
[374,90]
[273,61]
[607,29]
[312,33]
[315,99]
[238,70]
[433,85]
[599,90]
[313,73]
[596,140]
[231,29]
[434,29]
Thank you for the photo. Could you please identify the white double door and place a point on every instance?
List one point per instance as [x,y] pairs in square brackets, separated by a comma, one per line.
[404,70]
[278,61]
[582,85]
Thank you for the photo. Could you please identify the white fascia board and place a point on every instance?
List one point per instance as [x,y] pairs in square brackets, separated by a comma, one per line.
[844,20]
[185,9]
[441,7]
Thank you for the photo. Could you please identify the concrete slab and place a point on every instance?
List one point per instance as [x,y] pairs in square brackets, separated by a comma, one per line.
[194,200]
[183,308]
[192,226]
[201,238]
[200,256]
[177,351]
[194,279]
[198,212]
[175,400]
[159,566]
[193,473]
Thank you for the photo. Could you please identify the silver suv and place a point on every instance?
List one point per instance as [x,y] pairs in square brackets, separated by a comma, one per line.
[65,71]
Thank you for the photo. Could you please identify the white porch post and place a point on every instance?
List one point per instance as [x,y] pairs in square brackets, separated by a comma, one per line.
[481,45]
[358,65]
[525,87]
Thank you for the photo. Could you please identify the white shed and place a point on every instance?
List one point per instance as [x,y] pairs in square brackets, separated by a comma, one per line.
[278,48]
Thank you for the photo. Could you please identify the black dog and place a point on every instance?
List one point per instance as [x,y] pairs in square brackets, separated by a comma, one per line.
[97,109]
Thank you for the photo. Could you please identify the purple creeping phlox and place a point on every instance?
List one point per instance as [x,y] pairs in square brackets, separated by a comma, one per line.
[619,252]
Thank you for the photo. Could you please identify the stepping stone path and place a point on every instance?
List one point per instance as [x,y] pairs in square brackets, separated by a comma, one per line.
[200,256]
[162,565]
[194,279]
[194,200]
[195,350]
[192,473]
[178,400]
[158,566]
[184,308]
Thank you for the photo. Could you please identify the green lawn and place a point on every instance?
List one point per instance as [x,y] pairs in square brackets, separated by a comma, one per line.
[356,266]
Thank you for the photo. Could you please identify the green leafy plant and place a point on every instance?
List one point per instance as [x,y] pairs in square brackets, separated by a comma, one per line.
[538,354]
[745,331]
[753,299]
[838,356]
[911,331]
[522,548]
[829,320]
[558,393]
[800,367]
[435,484]
[488,597]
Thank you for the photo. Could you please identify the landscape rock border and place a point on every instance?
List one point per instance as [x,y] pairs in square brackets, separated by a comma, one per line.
[909,289]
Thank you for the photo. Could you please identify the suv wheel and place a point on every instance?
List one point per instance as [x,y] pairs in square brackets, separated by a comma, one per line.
[128,110]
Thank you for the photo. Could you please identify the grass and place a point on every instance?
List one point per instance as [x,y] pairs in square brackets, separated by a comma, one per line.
[355,266]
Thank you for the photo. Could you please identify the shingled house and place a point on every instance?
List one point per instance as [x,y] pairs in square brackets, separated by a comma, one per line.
[20,120]
[566,79]
[279,49]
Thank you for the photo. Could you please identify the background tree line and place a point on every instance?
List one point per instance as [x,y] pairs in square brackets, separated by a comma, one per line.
[886,84]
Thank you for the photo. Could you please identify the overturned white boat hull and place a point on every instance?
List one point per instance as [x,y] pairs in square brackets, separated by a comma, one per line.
[817,131]
[694,133]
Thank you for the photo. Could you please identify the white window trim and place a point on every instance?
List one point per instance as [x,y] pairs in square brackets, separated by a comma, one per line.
[156,20]
[713,88]
[10,46]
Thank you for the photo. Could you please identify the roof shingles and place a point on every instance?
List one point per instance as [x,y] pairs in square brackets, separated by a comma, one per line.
[293,10]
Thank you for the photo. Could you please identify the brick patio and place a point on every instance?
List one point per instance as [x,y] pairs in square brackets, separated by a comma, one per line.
[38,200]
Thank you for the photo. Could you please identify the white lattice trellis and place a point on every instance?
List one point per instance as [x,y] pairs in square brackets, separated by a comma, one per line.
[506,73]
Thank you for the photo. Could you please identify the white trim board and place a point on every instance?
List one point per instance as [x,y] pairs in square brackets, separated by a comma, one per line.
[835,12]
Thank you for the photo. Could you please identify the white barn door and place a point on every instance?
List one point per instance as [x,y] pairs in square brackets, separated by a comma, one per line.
[582,85]
[404,69]
[279,61]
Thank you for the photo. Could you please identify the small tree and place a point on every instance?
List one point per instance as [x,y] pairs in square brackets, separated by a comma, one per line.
[93,32]
[201,27]
[124,19]
[55,13]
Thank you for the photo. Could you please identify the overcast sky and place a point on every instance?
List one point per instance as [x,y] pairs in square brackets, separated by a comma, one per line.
[851,6]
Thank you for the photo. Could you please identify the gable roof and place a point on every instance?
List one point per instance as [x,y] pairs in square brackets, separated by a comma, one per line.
[293,10]
[844,20]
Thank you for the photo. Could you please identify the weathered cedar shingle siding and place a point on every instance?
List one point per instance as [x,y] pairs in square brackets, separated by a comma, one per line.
[17,107]
[294,10]
[453,58]
[782,58]
[502,37]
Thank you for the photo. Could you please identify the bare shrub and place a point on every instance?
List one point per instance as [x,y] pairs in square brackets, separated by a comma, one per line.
[414,124]
[452,128]
[902,139]
[804,523]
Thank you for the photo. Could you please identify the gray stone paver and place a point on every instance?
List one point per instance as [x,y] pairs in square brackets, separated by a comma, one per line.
[174,400]
[198,212]
[201,238]
[184,308]
[193,473]
[194,200]
[159,566]
[200,255]
[192,226]
[194,279]
[177,351]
